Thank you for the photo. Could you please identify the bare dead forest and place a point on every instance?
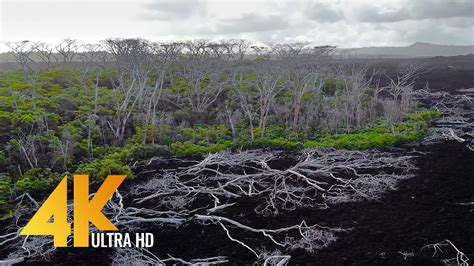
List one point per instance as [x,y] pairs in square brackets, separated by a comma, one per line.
[277,155]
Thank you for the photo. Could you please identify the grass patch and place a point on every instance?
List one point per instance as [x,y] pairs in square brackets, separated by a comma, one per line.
[380,135]
[118,160]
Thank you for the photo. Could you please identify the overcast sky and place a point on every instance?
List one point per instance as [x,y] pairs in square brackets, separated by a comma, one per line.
[345,23]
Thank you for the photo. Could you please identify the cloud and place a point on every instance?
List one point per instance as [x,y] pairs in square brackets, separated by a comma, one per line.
[416,10]
[345,23]
[443,33]
[442,9]
[251,22]
[322,12]
[173,10]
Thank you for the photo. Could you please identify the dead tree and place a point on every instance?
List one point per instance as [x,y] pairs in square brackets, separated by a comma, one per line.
[93,62]
[239,49]
[163,55]
[303,77]
[288,51]
[204,76]
[357,85]
[269,83]
[132,64]
[24,54]
[246,95]
[401,90]
[46,53]
[66,50]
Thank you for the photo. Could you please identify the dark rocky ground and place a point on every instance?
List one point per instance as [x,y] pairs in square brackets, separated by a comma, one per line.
[423,210]
[442,73]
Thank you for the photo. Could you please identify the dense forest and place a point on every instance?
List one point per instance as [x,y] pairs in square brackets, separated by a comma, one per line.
[97,109]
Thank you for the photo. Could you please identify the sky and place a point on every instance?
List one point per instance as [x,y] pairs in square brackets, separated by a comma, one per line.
[344,23]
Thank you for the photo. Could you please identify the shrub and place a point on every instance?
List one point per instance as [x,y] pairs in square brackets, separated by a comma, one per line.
[204,134]
[333,85]
[410,131]
[140,152]
[380,135]
[3,159]
[190,149]
[272,131]
[161,134]
[36,181]
[99,169]
[425,115]
[5,193]
[277,143]
[354,141]
[118,160]
[60,76]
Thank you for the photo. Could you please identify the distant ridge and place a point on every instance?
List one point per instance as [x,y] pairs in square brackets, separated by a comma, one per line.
[418,49]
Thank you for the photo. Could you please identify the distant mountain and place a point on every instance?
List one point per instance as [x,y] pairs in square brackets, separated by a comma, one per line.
[7,57]
[418,49]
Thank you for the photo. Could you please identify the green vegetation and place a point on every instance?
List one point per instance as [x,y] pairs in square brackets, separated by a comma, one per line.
[380,135]
[190,149]
[5,194]
[98,120]
[119,160]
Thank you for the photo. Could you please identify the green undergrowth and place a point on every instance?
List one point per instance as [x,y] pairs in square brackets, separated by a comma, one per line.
[120,159]
[201,141]
[380,135]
